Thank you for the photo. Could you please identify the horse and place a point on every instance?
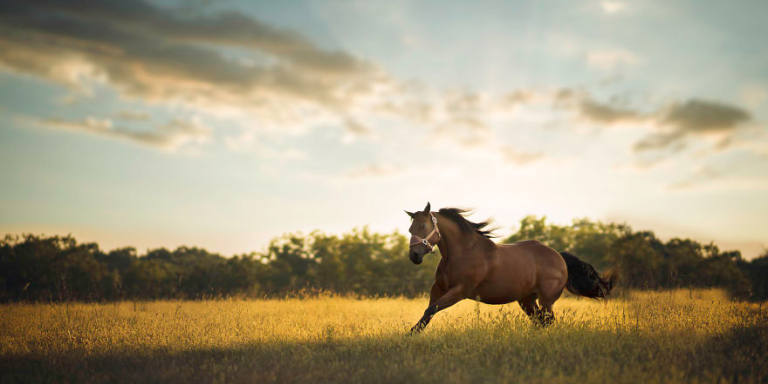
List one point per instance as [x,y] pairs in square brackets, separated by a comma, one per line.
[473,267]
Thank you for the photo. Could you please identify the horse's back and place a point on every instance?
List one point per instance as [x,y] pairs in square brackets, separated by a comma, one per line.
[524,243]
[548,262]
[536,250]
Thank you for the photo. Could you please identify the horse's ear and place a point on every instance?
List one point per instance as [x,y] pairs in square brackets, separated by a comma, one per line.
[410,214]
[427,208]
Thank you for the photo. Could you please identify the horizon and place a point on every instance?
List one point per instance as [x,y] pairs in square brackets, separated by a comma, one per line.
[224,125]
[499,235]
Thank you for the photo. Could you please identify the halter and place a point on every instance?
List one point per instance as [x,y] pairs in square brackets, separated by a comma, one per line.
[425,241]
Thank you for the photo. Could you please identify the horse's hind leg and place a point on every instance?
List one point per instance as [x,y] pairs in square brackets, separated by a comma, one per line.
[529,306]
[547,299]
[546,316]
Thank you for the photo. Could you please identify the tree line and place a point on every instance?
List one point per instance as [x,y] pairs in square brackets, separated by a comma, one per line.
[40,268]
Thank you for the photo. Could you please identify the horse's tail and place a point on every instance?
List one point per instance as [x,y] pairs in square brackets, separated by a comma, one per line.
[584,280]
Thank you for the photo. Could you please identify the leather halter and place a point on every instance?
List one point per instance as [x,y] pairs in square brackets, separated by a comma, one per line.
[425,241]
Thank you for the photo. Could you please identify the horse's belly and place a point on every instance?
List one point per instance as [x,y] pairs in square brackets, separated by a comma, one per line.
[502,294]
[497,300]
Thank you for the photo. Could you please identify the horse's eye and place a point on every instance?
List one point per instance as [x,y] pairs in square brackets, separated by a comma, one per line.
[423,226]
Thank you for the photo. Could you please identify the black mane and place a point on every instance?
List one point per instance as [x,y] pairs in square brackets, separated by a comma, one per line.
[457,216]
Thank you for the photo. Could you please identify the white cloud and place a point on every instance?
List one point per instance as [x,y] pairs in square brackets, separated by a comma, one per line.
[754,95]
[374,171]
[169,136]
[610,59]
[519,157]
[132,115]
[613,7]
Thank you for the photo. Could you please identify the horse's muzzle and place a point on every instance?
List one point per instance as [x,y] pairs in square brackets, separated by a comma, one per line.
[416,257]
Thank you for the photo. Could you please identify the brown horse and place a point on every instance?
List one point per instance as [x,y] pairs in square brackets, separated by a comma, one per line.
[474,267]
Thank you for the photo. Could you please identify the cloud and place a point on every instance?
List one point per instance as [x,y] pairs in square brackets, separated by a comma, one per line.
[673,125]
[753,95]
[137,20]
[278,80]
[388,171]
[463,103]
[709,178]
[133,116]
[374,171]
[169,136]
[518,97]
[656,141]
[703,174]
[610,59]
[606,113]
[519,157]
[694,118]
[612,7]
[226,61]
[356,128]
[705,116]
[461,117]
[218,62]
[594,111]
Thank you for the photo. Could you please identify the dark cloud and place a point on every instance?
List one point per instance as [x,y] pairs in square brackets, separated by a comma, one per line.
[565,94]
[356,128]
[692,118]
[660,141]
[133,115]
[705,116]
[143,18]
[675,124]
[518,97]
[606,113]
[153,53]
[592,110]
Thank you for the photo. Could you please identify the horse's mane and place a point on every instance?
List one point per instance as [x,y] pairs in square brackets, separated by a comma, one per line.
[456,215]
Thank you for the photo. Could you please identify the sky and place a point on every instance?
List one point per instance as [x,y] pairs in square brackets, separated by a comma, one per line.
[224,124]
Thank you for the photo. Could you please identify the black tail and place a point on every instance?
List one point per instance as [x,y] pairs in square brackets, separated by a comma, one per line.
[584,280]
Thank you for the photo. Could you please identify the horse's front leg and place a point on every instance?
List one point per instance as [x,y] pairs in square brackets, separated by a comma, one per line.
[451,297]
[435,293]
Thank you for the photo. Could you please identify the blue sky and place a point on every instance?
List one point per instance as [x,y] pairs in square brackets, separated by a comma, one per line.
[223,124]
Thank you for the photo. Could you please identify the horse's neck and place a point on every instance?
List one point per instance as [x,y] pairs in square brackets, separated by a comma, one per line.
[454,242]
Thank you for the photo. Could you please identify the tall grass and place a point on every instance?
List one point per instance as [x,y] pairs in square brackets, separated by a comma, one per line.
[673,336]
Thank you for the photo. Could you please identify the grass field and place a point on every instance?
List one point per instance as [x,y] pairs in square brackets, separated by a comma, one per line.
[677,336]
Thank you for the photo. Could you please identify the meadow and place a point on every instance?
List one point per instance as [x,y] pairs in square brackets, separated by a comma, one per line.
[677,336]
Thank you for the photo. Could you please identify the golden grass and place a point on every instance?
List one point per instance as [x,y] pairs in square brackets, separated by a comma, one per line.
[674,336]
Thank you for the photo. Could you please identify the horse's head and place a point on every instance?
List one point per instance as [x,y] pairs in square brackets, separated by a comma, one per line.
[424,234]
